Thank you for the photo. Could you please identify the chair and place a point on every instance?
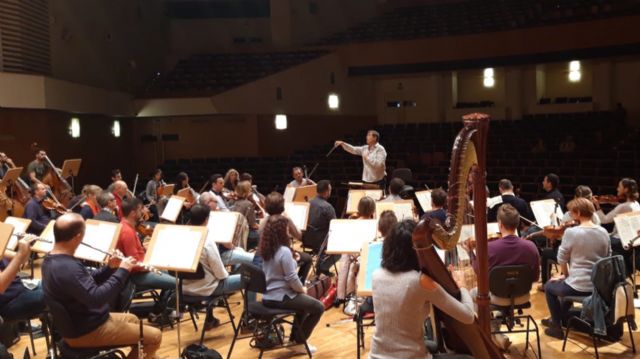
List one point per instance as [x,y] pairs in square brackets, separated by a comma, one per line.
[365,313]
[193,303]
[62,324]
[509,287]
[610,283]
[404,174]
[266,319]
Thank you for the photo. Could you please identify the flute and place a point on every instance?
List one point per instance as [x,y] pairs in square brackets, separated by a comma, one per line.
[31,238]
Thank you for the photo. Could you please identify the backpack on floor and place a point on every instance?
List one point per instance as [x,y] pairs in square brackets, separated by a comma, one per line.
[196,351]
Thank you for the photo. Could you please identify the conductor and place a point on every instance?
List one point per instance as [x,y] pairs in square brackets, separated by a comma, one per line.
[374,157]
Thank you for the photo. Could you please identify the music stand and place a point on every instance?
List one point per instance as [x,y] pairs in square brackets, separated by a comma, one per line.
[172,209]
[176,248]
[289,193]
[101,235]
[424,198]
[305,193]
[298,212]
[222,226]
[71,168]
[11,176]
[6,232]
[47,233]
[543,210]
[403,209]
[346,236]
[20,225]
[370,260]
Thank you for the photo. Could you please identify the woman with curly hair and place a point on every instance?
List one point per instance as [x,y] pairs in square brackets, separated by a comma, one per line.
[284,288]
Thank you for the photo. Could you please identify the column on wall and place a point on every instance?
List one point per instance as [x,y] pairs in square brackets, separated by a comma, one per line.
[281,23]
[602,85]
[514,92]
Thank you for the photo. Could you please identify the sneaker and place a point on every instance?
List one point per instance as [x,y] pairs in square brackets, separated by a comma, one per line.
[350,308]
[299,348]
[555,332]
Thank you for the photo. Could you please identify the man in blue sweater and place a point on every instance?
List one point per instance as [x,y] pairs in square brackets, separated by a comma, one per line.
[85,295]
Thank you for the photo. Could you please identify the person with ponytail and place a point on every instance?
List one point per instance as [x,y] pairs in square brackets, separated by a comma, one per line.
[627,191]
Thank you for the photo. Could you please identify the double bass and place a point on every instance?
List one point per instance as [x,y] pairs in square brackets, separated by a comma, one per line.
[19,193]
[61,190]
[469,152]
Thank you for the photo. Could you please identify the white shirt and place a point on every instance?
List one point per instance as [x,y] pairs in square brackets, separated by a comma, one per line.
[373,160]
[305,182]
[222,205]
[214,272]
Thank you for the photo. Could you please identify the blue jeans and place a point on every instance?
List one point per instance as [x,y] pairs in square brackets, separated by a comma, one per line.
[150,280]
[25,306]
[235,257]
[555,290]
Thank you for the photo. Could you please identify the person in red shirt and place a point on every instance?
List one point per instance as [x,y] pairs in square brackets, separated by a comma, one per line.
[120,192]
[129,244]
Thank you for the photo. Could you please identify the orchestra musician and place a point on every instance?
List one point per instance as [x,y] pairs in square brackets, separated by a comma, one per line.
[5,164]
[35,211]
[438,200]
[108,208]
[247,209]
[627,190]
[508,250]
[299,179]
[38,168]
[90,207]
[151,190]
[395,187]
[506,193]
[120,191]
[402,296]
[129,244]
[582,246]
[231,179]
[116,175]
[550,184]
[85,295]
[257,197]
[17,302]
[182,182]
[6,204]
[374,157]
[217,187]
[321,212]
[284,288]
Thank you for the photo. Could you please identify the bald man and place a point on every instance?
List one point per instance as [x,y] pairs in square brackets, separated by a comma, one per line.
[120,190]
[85,295]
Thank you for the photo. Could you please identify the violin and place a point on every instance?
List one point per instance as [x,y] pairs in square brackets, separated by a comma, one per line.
[142,228]
[609,199]
[52,205]
[555,233]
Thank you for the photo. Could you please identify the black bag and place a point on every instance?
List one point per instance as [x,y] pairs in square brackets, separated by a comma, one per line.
[195,351]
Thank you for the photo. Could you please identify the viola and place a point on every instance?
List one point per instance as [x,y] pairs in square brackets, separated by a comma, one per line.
[609,199]
[52,205]
[142,228]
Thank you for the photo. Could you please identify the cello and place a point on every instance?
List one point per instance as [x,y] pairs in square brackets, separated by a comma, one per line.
[61,190]
[469,152]
[19,192]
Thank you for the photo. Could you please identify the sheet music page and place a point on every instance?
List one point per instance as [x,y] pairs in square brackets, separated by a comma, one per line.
[172,209]
[20,225]
[494,201]
[402,209]
[542,211]
[298,212]
[222,226]
[175,248]
[98,235]
[348,235]
[47,234]
[468,230]
[628,225]
[289,192]
[424,198]
[356,194]
[440,252]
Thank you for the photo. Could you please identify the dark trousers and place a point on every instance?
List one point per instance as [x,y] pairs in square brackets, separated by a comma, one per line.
[548,255]
[554,291]
[618,249]
[308,312]
[25,306]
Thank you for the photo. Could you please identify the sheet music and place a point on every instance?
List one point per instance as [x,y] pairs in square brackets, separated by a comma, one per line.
[402,209]
[47,234]
[298,212]
[172,209]
[99,235]
[494,201]
[628,225]
[20,225]
[468,230]
[174,248]
[346,236]
[542,211]
[424,198]
[289,192]
[356,194]
[222,226]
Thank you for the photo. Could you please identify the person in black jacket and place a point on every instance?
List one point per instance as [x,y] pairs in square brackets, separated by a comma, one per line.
[506,192]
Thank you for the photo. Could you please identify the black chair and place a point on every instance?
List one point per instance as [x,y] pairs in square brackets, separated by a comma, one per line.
[404,174]
[62,325]
[266,320]
[194,303]
[609,280]
[510,287]
[364,318]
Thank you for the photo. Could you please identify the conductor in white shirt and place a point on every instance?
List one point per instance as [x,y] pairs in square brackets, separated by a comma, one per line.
[374,157]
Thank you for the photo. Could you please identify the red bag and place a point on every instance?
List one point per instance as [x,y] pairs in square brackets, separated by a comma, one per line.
[324,289]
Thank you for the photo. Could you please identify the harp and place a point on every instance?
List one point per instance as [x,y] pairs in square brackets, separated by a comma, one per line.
[468,154]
